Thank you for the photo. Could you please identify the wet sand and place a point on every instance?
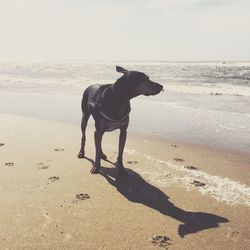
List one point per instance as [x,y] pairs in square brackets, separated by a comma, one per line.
[177,195]
[161,115]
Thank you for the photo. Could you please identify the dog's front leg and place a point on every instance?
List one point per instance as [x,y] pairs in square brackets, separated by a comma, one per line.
[98,155]
[84,122]
[122,141]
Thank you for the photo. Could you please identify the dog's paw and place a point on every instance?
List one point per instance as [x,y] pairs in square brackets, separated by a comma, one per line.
[80,155]
[95,170]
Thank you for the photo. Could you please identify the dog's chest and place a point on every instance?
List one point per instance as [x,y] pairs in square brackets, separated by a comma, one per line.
[110,126]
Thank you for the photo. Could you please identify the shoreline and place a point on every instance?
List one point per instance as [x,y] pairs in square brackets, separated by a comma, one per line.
[215,129]
[153,135]
[184,196]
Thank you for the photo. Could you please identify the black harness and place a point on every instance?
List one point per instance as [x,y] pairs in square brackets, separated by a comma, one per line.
[95,106]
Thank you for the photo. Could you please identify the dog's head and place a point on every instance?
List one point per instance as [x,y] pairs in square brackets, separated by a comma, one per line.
[135,83]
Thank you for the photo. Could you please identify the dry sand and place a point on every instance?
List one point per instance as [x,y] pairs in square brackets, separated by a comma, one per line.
[177,196]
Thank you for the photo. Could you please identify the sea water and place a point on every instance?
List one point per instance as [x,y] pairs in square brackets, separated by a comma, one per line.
[203,102]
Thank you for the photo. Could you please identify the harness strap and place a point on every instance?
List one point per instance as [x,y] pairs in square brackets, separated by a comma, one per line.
[95,105]
[115,120]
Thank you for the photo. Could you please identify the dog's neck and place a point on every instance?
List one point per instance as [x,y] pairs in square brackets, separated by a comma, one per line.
[124,89]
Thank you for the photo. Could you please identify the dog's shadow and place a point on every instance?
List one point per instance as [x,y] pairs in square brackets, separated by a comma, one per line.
[136,189]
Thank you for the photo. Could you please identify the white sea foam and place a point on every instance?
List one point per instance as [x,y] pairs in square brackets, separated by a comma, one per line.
[222,189]
[210,89]
[189,77]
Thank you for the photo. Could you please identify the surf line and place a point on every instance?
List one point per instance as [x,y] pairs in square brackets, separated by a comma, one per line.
[222,189]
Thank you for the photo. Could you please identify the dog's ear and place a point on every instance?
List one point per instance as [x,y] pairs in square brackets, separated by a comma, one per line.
[121,70]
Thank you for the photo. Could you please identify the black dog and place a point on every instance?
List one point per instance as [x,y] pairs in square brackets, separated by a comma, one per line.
[110,107]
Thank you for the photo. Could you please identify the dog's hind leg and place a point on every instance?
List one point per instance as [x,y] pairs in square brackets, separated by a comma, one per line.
[85,118]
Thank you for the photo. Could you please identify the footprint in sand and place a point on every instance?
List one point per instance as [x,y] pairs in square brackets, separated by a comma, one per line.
[190,167]
[168,175]
[198,184]
[179,159]
[59,149]
[132,162]
[9,164]
[42,166]
[1,144]
[54,178]
[233,234]
[161,241]
[81,197]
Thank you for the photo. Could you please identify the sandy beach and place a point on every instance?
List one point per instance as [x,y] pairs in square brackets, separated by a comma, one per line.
[170,79]
[177,195]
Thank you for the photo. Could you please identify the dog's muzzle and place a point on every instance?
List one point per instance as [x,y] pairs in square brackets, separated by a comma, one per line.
[159,88]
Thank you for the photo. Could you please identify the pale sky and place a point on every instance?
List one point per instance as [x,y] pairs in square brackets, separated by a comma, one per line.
[127,29]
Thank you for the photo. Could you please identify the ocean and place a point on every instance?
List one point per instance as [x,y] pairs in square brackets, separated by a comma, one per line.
[203,102]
